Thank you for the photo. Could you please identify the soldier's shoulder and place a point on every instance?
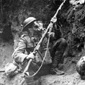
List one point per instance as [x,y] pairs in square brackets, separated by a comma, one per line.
[25,37]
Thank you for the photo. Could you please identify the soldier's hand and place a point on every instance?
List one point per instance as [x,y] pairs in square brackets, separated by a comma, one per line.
[54,19]
[51,34]
[31,55]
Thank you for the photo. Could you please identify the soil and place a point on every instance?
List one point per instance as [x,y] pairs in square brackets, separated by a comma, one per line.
[72,27]
[71,77]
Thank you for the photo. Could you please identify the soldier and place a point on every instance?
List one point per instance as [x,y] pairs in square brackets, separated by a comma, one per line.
[31,34]
[57,51]
[80,67]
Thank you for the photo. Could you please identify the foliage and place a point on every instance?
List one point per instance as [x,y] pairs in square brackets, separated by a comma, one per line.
[69,21]
[17,9]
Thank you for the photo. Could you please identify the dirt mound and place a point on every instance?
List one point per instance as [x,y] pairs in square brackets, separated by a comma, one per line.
[72,79]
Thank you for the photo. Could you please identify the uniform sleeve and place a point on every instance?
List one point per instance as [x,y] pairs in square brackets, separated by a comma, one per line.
[19,53]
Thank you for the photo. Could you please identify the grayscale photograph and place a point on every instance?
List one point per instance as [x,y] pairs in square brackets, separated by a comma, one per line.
[42,42]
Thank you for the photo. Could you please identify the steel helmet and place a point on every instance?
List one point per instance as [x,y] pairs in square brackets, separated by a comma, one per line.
[28,21]
[80,67]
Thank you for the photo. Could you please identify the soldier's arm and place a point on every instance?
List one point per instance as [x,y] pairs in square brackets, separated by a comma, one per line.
[19,53]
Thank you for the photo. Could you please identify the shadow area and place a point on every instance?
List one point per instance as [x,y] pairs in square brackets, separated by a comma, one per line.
[45,69]
[35,80]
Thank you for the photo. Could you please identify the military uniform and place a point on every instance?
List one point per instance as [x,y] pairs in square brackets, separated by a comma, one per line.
[57,51]
[31,35]
[26,45]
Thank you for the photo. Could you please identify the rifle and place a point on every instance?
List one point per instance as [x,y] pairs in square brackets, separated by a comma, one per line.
[37,48]
[49,28]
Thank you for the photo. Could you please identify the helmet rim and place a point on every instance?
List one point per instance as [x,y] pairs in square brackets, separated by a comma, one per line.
[28,21]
